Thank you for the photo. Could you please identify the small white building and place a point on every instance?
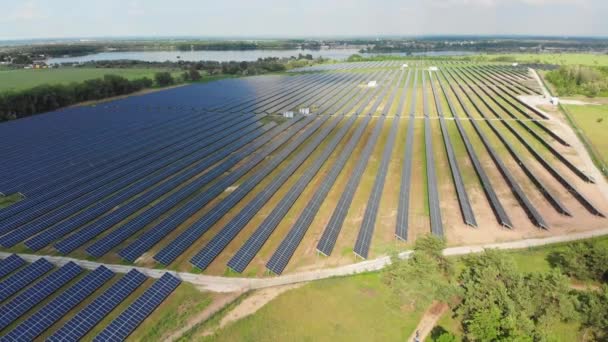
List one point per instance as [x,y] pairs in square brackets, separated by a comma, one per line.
[372,83]
[433,68]
[515,64]
[555,101]
[288,114]
[305,111]
[404,65]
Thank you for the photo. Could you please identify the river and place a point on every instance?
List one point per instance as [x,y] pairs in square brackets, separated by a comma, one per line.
[224,56]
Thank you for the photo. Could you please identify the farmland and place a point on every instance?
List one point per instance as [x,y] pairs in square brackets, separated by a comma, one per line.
[272,175]
[25,79]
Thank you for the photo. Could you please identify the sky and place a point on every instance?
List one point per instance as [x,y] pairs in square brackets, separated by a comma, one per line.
[22,19]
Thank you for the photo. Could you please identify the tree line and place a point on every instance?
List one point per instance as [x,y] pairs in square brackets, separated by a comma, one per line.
[493,300]
[45,98]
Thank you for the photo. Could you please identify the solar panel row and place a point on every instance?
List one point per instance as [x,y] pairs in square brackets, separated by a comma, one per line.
[431,174]
[124,176]
[54,310]
[23,277]
[124,189]
[87,318]
[157,233]
[495,203]
[36,293]
[461,192]
[123,325]
[206,255]
[535,216]
[10,264]
[402,225]
[255,242]
[192,233]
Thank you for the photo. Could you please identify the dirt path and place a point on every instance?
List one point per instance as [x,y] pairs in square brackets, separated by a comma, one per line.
[428,321]
[230,284]
[216,305]
[252,304]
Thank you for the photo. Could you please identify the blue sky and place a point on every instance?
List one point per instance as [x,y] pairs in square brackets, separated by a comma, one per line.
[93,18]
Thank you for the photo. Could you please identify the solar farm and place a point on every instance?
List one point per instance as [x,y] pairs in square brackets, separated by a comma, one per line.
[263,176]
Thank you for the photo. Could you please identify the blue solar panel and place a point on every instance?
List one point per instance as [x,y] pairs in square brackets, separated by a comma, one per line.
[198,158]
[104,186]
[123,325]
[23,278]
[255,242]
[190,235]
[77,327]
[36,293]
[10,264]
[52,312]
[221,240]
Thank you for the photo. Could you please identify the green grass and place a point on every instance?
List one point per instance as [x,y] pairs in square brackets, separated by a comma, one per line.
[24,79]
[592,122]
[338,309]
[554,58]
[183,304]
[9,200]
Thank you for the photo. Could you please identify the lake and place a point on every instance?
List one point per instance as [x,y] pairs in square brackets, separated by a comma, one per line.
[225,56]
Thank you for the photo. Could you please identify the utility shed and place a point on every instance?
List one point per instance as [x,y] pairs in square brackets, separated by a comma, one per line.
[555,101]
[433,68]
[515,64]
[288,114]
[372,83]
[305,111]
[403,66]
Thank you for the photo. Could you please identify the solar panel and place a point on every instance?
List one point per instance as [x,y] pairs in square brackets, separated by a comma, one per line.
[36,293]
[23,278]
[52,312]
[332,230]
[463,197]
[94,193]
[79,325]
[204,257]
[10,264]
[497,207]
[255,242]
[368,224]
[402,224]
[160,231]
[123,325]
[190,235]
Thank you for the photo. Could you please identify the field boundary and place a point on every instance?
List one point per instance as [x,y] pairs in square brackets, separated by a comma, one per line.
[230,284]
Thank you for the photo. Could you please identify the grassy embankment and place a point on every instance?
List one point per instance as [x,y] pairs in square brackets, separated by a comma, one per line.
[357,308]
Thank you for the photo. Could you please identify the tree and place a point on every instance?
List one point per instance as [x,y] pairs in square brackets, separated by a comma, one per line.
[501,303]
[163,79]
[423,277]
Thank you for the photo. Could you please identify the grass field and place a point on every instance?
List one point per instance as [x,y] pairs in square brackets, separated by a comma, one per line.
[352,308]
[9,200]
[356,308]
[556,58]
[24,79]
[593,121]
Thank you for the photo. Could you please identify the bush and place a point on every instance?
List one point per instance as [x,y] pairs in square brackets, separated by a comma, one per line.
[583,260]
[163,79]
[583,80]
